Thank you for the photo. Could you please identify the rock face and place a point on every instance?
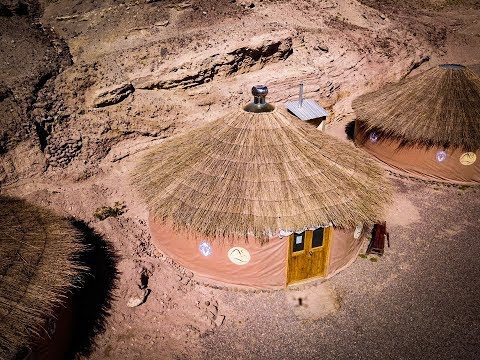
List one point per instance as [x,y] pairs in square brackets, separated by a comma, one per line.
[61,153]
[112,95]
[25,160]
[241,60]
[31,56]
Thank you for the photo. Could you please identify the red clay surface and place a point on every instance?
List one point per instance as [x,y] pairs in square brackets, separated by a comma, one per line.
[419,300]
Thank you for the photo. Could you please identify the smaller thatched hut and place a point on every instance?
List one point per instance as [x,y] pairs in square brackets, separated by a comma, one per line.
[37,269]
[427,126]
[259,199]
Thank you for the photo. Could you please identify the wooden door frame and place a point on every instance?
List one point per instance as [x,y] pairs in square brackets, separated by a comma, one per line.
[326,246]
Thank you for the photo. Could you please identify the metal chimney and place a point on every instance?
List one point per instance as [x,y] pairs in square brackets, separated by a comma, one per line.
[300,96]
[259,104]
[259,93]
[306,109]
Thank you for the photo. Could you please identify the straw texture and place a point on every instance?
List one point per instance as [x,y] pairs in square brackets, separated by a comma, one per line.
[37,267]
[440,107]
[258,173]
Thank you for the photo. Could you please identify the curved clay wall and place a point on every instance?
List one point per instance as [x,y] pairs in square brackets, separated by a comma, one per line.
[343,250]
[422,162]
[266,268]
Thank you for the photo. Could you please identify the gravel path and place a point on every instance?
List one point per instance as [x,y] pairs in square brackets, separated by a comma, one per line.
[419,301]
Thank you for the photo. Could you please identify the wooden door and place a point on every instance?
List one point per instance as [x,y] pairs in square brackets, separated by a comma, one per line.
[308,254]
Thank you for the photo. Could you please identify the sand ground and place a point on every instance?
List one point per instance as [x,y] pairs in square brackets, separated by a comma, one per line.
[88,86]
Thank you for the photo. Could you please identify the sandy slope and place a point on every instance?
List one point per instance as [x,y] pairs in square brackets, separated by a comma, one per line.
[189,63]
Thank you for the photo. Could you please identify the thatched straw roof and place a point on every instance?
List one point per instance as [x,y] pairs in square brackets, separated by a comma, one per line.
[440,107]
[37,250]
[258,173]
[475,68]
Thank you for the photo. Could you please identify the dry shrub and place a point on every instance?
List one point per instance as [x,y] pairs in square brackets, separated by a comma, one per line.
[105,212]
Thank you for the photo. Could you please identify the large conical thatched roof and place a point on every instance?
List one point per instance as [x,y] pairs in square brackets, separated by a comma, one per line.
[440,107]
[37,250]
[258,173]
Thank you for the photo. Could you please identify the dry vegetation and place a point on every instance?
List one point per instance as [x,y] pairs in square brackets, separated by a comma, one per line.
[104,212]
[183,65]
[38,252]
[439,107]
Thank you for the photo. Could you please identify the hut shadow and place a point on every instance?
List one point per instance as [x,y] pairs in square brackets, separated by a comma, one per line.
[350,130]
[93,299]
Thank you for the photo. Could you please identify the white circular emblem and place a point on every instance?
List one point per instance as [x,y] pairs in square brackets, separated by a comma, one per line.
[373,137]
[205,248]
[468,158]
[441,156]
[239,255]
[358,231]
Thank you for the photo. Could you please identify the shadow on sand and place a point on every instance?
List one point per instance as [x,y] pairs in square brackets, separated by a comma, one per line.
[93,299]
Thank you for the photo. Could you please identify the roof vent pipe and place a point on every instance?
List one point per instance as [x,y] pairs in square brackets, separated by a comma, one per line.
[259,104]
[259,93]
[300,96]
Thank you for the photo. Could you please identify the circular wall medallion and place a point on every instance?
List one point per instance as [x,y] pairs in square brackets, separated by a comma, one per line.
[239,255]
[358,231]
[373,137]
[205,248]
[441,156]
[468,158]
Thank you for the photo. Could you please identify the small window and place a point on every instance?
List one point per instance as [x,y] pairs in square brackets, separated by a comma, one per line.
[317,239]
[298,241]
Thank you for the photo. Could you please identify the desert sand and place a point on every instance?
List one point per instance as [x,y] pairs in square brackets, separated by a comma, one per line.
[88,86]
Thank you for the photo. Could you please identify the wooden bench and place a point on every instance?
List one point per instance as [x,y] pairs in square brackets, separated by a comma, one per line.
[377,242]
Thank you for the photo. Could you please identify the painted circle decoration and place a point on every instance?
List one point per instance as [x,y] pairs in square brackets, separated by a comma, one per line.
[373,137]
[238,255]
[358,231]
[205,248]
[468,158]
[441,156]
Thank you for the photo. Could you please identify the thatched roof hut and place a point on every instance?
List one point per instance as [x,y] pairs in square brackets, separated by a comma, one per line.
[427,125]
[37,267]
[254,175]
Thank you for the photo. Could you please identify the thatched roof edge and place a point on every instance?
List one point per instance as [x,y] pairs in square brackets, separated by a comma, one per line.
[437,108]
[245,174]
[39,252]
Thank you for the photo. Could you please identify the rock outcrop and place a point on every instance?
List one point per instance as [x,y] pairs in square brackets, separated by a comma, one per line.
[241,60]
[112,95]
[60,154]
[31,56]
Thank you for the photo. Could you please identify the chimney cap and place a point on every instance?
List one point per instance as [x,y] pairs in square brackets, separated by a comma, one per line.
[259,90]
[259,105]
